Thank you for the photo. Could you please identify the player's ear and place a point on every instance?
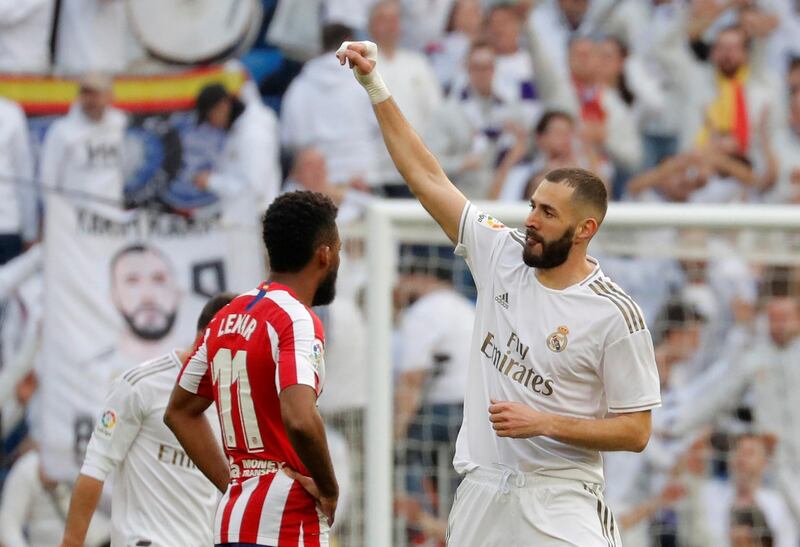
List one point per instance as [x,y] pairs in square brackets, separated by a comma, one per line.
[586,229]
[324,255]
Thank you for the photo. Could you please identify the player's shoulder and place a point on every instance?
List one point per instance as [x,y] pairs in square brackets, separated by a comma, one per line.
[483,220]
[154,369]
[612,305]
[287,311]
[284,303]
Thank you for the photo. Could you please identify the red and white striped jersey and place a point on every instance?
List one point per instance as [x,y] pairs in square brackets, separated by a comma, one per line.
[261,343]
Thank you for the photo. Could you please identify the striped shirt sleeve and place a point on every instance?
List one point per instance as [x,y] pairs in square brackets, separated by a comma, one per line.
[300,351]
[196,373]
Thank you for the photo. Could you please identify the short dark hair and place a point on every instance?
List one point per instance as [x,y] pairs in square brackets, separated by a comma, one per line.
[214,304]
[208,98]
[588,187]
[333,34]
[294,225]
[550,116]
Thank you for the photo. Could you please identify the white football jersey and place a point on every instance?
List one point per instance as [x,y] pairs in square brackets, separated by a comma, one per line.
[581,352]
[160,498]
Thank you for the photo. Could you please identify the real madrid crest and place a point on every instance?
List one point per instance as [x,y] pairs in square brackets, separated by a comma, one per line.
[557,341]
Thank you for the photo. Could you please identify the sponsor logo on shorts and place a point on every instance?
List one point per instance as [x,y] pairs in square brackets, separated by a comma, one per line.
[252,467]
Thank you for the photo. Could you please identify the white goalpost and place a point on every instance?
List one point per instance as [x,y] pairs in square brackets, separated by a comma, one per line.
[758,233]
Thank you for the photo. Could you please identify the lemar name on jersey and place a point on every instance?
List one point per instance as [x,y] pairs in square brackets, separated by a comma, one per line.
[238,323]
[509,360]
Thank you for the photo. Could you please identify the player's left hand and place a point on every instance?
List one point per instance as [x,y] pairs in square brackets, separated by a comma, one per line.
[516,420]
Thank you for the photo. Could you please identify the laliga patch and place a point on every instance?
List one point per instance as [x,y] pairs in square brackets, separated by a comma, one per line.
[490,222]
[106,424]
[317,354]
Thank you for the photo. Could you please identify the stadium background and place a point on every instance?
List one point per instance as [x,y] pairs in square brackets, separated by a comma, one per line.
[634,89]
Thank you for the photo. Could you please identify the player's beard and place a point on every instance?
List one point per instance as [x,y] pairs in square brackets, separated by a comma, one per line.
[148,331]
[554,253]
[326,291]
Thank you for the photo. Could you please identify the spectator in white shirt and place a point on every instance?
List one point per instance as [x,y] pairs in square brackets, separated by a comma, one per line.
[18,222]
[606,120]
[557,144]
[412,81]
[33,508]
[83,151]
[734,71]
[324,108]
[722,498]
[25,35]
[515,79]
[468,133]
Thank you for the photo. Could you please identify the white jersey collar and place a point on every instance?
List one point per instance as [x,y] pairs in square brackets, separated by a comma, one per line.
[594,273]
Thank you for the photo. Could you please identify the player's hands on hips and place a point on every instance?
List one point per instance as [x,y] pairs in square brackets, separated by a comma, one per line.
[362,57]
[517,420]
[327,504]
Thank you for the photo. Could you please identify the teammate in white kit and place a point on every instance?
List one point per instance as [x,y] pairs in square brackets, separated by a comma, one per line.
[160,498]
[562,363]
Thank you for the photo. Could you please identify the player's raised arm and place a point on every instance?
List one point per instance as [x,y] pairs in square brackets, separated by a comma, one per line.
[418,167]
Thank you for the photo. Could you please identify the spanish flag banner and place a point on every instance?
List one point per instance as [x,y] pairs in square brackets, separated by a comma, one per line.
[43,95]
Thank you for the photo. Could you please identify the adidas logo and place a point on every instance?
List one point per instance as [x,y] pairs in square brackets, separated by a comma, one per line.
[502,299]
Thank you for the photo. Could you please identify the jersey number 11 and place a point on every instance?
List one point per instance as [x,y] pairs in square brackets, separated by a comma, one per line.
[229,369]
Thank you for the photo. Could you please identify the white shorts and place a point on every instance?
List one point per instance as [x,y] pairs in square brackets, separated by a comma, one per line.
[497,508]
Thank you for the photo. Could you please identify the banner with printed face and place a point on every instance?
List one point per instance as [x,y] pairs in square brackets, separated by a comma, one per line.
[122,286]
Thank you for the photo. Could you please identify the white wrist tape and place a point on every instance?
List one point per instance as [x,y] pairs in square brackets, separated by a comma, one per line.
[372,82]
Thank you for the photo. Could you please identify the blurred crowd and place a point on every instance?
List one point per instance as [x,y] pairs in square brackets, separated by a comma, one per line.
[670,101]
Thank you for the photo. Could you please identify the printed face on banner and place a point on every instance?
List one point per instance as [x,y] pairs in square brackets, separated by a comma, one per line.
[145,291]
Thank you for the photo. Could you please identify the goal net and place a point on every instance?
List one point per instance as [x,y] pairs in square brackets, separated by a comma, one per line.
[718,286]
